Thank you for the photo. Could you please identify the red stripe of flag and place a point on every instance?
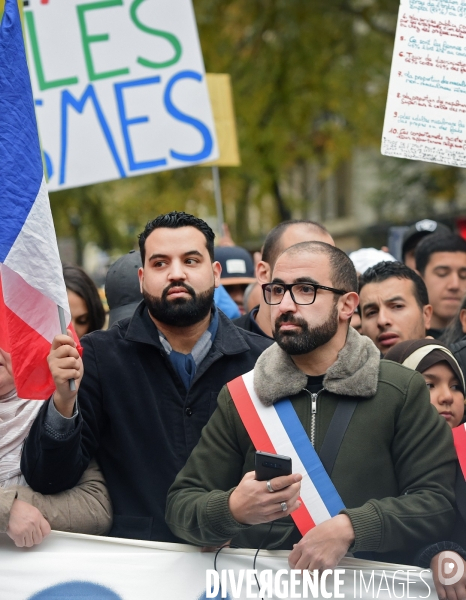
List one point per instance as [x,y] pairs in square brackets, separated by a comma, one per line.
[261,441]
[459,437]
[32,376]
[31,369]
[4,339]
[302,518]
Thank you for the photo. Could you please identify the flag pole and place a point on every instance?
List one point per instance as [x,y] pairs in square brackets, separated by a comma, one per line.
[218,199]
[61,316]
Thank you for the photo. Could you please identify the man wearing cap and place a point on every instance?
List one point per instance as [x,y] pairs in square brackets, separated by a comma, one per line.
[415,234]
[365,258]
[280,238]
[122,287]
[150,382]
[237,272]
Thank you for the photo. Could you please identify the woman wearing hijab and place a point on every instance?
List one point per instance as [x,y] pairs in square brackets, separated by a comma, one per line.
[442,373]
[445,380]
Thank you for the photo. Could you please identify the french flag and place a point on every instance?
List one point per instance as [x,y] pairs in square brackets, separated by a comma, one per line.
[31,277]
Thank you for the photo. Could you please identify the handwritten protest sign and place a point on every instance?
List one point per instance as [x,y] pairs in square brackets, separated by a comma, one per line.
[425,118]
[119,87]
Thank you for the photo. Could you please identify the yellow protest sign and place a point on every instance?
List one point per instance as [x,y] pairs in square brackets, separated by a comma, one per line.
[2,6]
[221,100]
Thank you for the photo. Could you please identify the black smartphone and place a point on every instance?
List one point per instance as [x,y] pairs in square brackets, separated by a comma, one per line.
[270,465]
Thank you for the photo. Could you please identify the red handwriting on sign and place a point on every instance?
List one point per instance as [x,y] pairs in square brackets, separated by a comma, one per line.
[441,28]
[431,102]
[429,137]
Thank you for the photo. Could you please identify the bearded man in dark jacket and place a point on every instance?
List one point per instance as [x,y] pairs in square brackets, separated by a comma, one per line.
[150,383]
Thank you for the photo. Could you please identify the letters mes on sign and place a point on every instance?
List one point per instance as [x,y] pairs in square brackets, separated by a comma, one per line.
[119,87]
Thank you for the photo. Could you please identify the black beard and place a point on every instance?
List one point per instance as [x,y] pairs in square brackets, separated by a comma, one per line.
[180,312]
[307,339]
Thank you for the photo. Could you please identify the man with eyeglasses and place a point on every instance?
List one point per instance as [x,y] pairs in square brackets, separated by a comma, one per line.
[389,458]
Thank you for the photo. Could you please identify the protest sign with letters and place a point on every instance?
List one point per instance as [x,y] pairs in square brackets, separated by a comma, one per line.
[425,117]
[119,88]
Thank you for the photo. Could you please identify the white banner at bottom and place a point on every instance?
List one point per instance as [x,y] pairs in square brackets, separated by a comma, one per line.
[81,567]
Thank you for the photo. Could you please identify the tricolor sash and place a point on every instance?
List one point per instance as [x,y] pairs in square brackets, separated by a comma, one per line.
[459,438]
[277,429]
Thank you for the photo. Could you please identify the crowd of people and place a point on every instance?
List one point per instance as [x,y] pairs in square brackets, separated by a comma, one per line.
[367,352]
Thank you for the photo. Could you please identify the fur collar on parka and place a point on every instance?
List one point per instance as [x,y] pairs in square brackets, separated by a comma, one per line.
[354,373]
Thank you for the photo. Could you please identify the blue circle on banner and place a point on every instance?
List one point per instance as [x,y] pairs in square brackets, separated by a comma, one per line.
[76,589]
[217,597]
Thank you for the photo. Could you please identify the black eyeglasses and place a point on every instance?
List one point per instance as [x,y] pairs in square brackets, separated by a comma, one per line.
[301,293]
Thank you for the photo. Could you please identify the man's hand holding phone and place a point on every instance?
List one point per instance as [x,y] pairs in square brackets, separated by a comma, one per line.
[253,501]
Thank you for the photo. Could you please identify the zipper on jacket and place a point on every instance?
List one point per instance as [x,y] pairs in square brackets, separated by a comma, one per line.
[314,396]
[313,417]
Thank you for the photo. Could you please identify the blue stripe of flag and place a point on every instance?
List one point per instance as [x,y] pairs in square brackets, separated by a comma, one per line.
[21,168]
[308,456]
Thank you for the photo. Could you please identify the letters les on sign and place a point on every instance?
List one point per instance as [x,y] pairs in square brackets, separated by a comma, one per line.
[119,87]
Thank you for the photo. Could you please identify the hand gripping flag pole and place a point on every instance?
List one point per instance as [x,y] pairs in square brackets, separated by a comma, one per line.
[31,276]
[62,319]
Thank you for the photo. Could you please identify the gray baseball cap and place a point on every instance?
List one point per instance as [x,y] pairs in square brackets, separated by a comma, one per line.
[122,287]
[416,232]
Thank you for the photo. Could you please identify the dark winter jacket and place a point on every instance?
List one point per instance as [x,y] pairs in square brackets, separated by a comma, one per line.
[137,418]
[247,322]
[459,352]
[456,542]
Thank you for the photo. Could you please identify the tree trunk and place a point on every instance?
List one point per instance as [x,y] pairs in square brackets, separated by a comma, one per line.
[283,210]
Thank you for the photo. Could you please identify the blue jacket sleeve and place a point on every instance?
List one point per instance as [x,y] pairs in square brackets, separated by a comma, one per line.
[225,303]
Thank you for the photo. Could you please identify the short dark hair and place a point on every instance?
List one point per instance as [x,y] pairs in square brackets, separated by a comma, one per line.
[271,248]
[343,274]
[388,269]
[174,220]
[437,243]
[79,282]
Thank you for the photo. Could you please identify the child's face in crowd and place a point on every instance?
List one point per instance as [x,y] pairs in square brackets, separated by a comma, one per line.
[445,392]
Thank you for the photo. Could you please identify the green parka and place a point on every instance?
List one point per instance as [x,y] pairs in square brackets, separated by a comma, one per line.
[394,472]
